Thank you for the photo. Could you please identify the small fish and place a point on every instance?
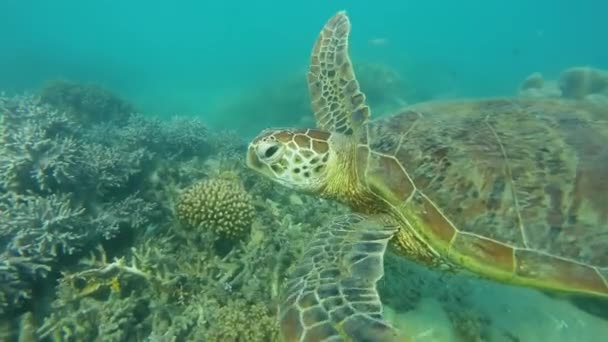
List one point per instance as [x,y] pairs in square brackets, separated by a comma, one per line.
[540,33]
[378,41]
[89,289]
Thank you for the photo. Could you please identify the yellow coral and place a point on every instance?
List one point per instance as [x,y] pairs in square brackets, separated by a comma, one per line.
[115,284]
[220,205]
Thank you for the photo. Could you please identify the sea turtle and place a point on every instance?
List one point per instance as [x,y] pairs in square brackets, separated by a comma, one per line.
[512,189]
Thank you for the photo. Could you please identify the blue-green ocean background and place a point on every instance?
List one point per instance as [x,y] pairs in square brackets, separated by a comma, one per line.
[197,58]
[187,57]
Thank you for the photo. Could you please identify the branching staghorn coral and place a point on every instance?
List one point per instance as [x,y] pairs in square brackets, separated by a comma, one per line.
[107,299]
[38,152]
[187,137]
[86,103]
[37,231]
[65,188]
[16,275]
[133,212]
[43,151]
[178,138]
[165,286]
[190,292]
[45,226]
[111,168]
[82,318]
[23,110]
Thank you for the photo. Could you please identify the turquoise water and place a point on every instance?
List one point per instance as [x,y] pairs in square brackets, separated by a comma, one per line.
[109,187]
[186,56]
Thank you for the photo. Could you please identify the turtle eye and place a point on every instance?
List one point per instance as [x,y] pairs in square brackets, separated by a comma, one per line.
[268,151]
[271,151]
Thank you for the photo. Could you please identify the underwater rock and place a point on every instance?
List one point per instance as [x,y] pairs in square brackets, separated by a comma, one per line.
[534,81]
[535,86]
[578,82]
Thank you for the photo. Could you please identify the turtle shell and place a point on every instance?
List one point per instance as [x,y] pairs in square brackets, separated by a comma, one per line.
[514,189]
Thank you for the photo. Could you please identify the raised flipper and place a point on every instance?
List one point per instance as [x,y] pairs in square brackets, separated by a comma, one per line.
[338,103]
[332,295]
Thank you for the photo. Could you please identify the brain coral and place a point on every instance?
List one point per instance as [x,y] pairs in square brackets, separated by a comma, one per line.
[220,205]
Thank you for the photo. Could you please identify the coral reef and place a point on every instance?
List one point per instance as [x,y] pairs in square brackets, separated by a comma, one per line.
[86,103]
[238,313]
[80,173]
[109,228]
[178,138]
[220,205]
[171,287]
[48,227]
[44,151]
[64,188]
[38,146]
[17,273]
[89,224]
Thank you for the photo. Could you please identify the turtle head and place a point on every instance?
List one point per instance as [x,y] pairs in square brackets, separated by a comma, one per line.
[297,159]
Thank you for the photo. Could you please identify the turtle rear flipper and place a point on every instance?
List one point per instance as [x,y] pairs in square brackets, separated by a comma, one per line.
[332,294]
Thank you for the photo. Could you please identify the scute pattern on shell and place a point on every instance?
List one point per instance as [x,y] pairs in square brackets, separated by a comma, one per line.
[532,174]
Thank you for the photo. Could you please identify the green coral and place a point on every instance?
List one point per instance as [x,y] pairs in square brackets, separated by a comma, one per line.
[220,205]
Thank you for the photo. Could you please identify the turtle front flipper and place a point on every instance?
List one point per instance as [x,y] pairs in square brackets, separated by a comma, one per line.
[332,295]
[338,103]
